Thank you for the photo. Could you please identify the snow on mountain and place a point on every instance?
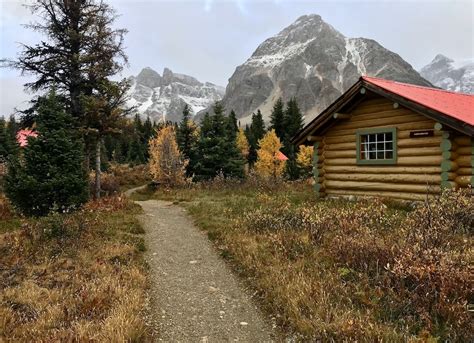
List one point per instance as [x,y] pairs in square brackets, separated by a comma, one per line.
[163,97]
[457,76]
[312,61]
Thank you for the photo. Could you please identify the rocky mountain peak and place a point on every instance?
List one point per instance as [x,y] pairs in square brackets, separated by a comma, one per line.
[167,76]
[149,78]
[315,63]
[444,72]
[164,97]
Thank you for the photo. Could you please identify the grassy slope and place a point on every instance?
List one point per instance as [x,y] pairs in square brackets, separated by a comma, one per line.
[74,277]
[316,284]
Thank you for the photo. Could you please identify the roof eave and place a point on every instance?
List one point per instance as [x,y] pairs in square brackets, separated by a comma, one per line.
[326,115]
[301,137]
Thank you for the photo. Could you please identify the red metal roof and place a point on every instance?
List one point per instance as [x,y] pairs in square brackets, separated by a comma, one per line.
[22,136]
[281,156]
[457,105]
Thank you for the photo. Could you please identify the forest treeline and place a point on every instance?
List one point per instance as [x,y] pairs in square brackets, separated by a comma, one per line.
[82,122]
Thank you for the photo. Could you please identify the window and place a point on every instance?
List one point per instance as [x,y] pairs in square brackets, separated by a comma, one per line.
[377,146]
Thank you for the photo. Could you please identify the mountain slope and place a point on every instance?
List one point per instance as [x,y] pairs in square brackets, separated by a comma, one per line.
[447,74]
[163,97]
[313,62]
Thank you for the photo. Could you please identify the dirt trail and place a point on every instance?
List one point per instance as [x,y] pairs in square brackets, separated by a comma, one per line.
[194,295]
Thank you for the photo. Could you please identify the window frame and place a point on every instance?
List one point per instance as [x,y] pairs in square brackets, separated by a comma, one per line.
[391,161]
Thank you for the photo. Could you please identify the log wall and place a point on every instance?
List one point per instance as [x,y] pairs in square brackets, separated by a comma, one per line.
[424,164]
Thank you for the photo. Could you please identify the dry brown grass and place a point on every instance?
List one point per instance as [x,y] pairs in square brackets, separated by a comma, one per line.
[75,277]
[341,271]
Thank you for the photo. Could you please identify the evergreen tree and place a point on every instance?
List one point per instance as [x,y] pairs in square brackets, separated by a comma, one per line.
[3,140]
[293,124]
[184,133]
[79,54]
[81,48]
[11,131]
[136,153]
[277,119]
[254,133]
[215,150]
[50,174]
[232,124]
[148,132]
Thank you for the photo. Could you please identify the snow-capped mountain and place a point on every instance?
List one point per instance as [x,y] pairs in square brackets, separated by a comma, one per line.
[448,74]
[163,97]
[312,61]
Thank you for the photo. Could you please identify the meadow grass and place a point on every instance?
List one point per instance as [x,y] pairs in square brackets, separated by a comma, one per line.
[342,271]
[74,277]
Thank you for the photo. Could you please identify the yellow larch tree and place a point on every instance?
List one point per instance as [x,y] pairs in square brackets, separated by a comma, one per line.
[242,143]
[269,164]
[304,158]
[167,164]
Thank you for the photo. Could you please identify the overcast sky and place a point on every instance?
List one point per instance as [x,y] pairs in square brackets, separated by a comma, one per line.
[208,39]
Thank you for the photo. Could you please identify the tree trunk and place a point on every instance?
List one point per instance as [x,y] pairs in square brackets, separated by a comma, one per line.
[97,169]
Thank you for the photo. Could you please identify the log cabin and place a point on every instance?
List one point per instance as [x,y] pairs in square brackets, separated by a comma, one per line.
[390,139]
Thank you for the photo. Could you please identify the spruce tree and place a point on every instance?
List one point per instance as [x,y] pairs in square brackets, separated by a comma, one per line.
[80,48]
[216,152]
[254,133]
[147,134]
[3,140]
[184,133]
[136,152]
[11,131]
[277,119]
[293,124]
[232,124]
[293,121]
[49,175]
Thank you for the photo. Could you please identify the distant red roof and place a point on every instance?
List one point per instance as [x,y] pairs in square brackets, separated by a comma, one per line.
[281,156]
[22,136]
[457,105]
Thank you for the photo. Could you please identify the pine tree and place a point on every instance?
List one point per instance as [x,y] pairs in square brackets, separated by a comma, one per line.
[136,153]
[268,164]
[50,174]
[3,140]
[277,119]
[104,115]
[293,124]
[11,131]
[187,135]
[232,124]
[184,134]
[81,48]
[216,152]
[167,164]
[254,133]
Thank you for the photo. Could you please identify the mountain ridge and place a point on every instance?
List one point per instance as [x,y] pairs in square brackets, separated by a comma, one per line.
[451,75]
[313,62]
[162,97]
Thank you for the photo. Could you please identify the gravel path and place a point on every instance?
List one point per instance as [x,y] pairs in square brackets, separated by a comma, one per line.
[194,295]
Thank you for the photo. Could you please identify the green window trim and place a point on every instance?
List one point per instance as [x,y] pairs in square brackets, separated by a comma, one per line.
[391,161]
